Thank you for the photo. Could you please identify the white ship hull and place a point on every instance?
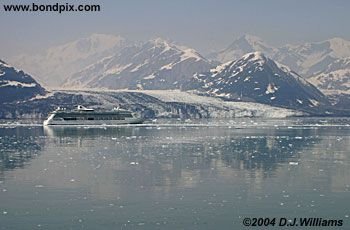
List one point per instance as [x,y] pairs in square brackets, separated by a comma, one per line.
[94,122]
[84,116]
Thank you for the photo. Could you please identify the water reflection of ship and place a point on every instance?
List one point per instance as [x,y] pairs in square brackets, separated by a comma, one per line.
[62,131]
[78,135]
[128,157]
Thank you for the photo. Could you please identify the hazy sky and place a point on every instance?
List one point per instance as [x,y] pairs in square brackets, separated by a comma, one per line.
[202,24]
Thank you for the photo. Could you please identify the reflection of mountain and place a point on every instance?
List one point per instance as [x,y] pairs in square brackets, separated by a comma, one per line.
[170,156]
[263,152]
[115,162]
[18,147]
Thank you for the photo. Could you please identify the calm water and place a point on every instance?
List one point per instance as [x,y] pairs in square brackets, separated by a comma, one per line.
[196,175]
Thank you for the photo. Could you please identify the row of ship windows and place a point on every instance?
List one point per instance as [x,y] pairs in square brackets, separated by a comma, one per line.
[90,118]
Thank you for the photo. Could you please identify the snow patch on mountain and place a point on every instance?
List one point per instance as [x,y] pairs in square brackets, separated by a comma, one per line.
[17,84]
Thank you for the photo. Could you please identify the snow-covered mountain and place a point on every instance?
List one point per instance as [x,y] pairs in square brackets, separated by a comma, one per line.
[240,46]
[311,59]
[156,64]
[324,62]
[254,77]
[335,78]
[15,85]
[55,64]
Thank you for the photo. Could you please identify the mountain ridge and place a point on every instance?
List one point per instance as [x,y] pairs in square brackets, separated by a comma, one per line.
[53,65]
[255,77]
[155,64]
[15,85]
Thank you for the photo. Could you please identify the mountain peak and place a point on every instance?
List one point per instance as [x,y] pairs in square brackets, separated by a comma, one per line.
[161,41]
[254,77]
[250,38]
[104,36]
[15,85]
[252,57]
[255,56]
[167,45]
[337,40]
[90,43]
[154,64]
[245,44]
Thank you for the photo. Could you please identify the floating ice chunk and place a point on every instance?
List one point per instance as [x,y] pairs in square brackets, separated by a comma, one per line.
[271,88]
[247,79]
[98,166]
[314,102]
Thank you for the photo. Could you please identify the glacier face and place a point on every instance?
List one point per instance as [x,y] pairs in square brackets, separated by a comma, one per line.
[149,104]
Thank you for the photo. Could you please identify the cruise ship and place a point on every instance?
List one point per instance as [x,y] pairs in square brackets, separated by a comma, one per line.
[86,116]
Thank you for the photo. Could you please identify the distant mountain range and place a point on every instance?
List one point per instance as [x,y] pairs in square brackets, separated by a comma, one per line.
[55,64]
[227,91]
[325,62]
[240,46]
[22,97]
[335,78]
[156,64]
[253,72]
[103,59]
